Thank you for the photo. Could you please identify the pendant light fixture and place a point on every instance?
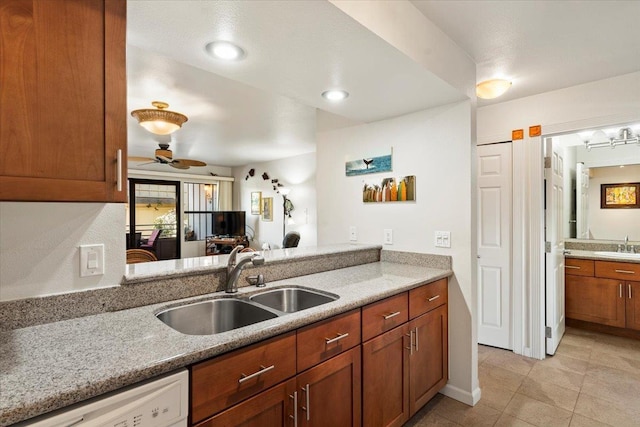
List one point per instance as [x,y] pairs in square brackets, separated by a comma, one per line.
[493,88]
[159,120]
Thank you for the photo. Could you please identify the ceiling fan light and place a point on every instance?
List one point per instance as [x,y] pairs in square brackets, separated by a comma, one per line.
[159,121]
[490,89]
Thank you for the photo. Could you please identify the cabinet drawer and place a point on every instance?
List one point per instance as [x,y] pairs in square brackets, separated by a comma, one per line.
[618,270]
[578,267]
[226,380]
[384,315]
[427,297]
[325,339]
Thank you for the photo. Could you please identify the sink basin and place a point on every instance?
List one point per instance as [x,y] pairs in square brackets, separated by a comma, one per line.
[290,300]
[619,255]
[214,316]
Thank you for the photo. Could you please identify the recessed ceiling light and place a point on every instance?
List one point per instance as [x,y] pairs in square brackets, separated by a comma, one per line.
[490,89]
[335,95]
[225,50]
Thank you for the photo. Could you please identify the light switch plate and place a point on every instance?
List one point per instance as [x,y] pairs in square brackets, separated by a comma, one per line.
[443,239]
[353,233]
[388,236]
[91,260]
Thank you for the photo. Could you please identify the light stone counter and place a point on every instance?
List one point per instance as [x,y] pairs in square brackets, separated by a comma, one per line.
[600,257]
[50,366]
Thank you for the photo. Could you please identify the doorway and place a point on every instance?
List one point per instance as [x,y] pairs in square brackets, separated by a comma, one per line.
[153,217]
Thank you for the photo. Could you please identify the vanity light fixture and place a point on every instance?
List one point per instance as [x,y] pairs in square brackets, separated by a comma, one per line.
[624,136]
[335,95]
[490,89]
[159,121]
[225,50]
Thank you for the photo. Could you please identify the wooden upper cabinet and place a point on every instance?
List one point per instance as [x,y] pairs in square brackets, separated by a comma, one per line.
[63,100]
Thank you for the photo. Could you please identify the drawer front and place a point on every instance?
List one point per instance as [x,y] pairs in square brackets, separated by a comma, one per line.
[579,267]
[618,270]
[384,315]
[226,380]
[325,339]
[427,297]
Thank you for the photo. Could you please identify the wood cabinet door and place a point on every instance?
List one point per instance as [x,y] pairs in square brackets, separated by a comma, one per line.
[329,393]
[63,97]
[633,305]
[385,378]
[596,300]
[428,360]
[271,408]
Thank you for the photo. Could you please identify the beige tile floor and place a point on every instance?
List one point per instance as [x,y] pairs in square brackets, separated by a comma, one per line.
[592,380]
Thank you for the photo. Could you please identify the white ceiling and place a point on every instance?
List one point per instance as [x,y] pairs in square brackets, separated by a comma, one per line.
[542,45]
[264,107]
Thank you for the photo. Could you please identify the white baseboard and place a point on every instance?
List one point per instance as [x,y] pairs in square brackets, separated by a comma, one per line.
[462,395]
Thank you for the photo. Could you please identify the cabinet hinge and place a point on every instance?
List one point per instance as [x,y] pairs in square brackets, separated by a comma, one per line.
[547,332]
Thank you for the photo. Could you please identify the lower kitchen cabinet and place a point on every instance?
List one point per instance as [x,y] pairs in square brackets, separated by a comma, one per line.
[271,408]
[329,393]
[596,300]
[385,378]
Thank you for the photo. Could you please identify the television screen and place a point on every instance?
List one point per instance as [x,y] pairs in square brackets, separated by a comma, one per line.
[229,223]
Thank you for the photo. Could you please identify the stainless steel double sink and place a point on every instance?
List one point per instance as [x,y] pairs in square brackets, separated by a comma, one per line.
[224,314]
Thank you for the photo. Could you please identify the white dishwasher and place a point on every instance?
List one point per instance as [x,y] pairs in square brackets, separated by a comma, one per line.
[161,402]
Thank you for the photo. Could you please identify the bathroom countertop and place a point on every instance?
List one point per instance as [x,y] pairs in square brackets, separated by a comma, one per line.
[600,257]
[50,366]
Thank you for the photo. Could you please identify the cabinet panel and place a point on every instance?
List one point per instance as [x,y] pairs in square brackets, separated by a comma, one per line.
[385,378]
[63,97]
[427,298]
[329,394]
[579,267]
[618,270]
[271,408]
[219,383]
[325,339]
[633,305]
[384,315]
[428,362]
[597,300]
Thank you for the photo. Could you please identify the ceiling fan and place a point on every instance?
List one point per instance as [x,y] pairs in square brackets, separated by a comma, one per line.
[165,156]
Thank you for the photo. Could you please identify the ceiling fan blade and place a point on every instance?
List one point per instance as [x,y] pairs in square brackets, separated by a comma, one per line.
[177,165]
[141,159]
[189,162]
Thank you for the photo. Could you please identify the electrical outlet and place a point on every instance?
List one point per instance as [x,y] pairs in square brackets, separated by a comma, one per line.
[388,236]
[443,239]
[91,260]
[353,233]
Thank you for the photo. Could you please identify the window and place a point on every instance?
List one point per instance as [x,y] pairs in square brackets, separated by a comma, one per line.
[200,200]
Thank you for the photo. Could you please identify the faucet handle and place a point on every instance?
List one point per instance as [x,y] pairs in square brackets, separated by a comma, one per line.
[257,280]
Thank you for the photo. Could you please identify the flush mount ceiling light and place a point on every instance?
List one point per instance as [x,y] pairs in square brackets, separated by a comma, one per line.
[335,95]
[159,121]
[224,50]
[490,89]
[622,137]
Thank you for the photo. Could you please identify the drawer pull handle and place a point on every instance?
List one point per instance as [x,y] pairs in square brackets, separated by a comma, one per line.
[575,267]
[307,408]
[255,374]
[295,408]
[625,272]
[620,289]
[336,339]
[629,290]
[433,298]
[390,315]
[119,170]
[417,338]
[410,348]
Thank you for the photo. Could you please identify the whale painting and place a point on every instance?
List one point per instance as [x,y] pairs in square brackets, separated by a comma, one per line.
[368,165]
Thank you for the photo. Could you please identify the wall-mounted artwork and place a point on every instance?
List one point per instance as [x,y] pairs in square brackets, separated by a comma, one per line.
[256,203]
[401,189]
[620,196]
[267,209]
[369,165]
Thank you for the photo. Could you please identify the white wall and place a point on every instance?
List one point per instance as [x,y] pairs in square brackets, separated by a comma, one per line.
[296,173]
[612,224]
[435,146]
[39,242]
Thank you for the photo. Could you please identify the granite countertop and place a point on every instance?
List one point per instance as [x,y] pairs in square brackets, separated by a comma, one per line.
[54,365]
[598,256]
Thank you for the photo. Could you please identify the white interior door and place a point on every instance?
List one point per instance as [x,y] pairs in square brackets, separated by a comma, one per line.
[554,238]
[582,204]
[494,245]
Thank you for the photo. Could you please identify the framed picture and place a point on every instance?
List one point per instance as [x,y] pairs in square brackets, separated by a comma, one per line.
[620,196]
[256,203]
[369,165]
[267,209]
[400,189]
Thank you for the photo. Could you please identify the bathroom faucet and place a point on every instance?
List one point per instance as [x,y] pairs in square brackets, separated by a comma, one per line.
[626,243]
[235,268]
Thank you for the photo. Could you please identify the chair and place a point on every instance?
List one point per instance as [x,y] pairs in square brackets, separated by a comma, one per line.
[152,241]
[135,256]
[291,240]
